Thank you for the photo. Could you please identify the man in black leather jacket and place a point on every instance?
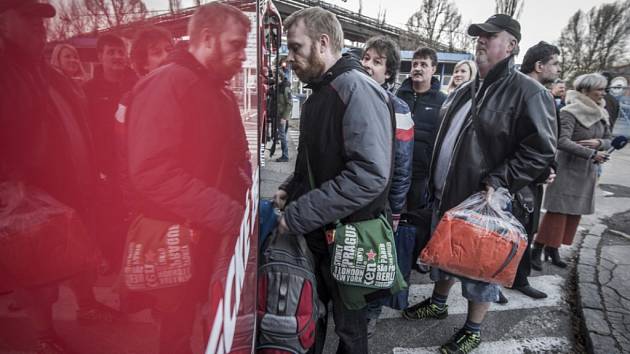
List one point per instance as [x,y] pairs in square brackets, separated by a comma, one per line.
[541,64]
[506,140]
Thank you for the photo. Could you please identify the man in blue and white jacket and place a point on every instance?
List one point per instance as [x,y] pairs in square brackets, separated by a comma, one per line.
[381,59]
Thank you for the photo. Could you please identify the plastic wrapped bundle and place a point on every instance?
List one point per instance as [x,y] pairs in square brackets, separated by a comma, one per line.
[479,239]
[41,239]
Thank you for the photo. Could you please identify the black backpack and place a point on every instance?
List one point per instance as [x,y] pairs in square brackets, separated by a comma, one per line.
[288,304]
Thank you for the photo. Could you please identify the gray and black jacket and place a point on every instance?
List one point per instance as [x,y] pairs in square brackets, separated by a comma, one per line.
[346,128]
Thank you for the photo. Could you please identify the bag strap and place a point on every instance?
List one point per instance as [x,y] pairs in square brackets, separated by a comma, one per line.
[311,178]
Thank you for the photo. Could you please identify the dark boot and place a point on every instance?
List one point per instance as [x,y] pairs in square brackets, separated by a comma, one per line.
[536,261]
[552,253]
[528,290]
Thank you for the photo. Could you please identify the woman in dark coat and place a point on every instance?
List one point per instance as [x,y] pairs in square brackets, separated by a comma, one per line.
[584,137]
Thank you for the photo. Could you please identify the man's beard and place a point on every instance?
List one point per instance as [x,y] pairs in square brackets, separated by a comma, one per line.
[547,80]
[224,68]
[481,57]
[314,67]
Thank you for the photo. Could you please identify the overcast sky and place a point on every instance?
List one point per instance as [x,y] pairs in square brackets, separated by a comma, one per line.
[540,19]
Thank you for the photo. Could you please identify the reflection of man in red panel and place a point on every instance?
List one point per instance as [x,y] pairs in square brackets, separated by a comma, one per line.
[47,168]
[188,158]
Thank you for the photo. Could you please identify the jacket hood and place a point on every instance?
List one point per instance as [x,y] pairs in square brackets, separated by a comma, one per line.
[346,63]
[584,109]
[407,85]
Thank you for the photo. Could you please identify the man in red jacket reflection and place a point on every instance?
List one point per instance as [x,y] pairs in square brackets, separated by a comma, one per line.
[188,157]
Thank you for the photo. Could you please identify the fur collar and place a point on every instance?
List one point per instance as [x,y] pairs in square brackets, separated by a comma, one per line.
[584,109]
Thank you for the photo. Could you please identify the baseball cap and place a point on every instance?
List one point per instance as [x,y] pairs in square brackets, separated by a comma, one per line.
[497,23]
[31,7]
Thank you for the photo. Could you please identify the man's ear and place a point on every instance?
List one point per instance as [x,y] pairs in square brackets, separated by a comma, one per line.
[433,66]
[513,43]
[538,66]
[208,39]
[324,43]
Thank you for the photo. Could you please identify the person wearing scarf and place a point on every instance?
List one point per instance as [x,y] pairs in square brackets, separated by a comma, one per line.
[582,144]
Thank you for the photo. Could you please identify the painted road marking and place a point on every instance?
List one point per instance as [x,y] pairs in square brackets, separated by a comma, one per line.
[510,346]
[550,284]
[295,137]
[65,308]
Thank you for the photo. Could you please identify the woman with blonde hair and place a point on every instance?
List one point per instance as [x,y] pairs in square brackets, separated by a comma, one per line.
[464,71]
[66,59]
[582,143]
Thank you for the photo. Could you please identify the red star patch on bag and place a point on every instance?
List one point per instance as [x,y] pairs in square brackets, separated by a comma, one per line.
[149,257]
[371,255]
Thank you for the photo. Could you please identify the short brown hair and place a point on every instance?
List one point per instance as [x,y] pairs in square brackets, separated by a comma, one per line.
[426,53]
[317,22]
[143,40]
[214,16]
[386,47]
[108,39]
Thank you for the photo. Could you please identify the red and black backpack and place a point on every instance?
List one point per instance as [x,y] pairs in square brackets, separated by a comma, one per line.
[288,305]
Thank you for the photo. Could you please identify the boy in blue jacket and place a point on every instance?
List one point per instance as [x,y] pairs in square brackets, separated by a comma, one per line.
[381,59]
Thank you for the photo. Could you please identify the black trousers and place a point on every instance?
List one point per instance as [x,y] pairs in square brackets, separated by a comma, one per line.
[350,325]
[525,265]
[417,195]
[531,227]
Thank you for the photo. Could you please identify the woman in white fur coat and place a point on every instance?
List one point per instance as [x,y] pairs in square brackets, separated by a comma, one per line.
[582,143]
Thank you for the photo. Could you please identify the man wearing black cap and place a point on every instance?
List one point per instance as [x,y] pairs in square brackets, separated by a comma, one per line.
[506,140]
[44,147]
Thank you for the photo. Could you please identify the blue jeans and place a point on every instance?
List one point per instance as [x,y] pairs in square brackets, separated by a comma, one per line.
[282,135]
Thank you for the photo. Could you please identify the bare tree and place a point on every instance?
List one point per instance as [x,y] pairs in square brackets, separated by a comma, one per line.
[72,18]
[458,38]
[433,19]
[595,40]
[513,8]
[82,16]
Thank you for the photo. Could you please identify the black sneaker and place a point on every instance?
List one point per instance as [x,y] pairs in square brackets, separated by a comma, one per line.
[282,159]
[425,310]
[462,342]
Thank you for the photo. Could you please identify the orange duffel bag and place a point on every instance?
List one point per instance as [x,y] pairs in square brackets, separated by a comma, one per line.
[41,239]
[479,240]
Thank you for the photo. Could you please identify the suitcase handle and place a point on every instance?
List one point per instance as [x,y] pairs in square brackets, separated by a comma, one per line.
[508,259]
